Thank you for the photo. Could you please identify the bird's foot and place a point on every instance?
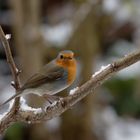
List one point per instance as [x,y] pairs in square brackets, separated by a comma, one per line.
[51,98]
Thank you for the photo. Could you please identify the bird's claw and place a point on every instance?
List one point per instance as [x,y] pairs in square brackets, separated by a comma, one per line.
[51,98]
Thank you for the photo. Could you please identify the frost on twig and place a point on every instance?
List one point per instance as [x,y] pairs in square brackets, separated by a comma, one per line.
[72,91]
[8,36]
[13,84]
[18,71]
[101,69]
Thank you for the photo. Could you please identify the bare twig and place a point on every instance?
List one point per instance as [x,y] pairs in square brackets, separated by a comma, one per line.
[10,60]
[14,70]
[34,116]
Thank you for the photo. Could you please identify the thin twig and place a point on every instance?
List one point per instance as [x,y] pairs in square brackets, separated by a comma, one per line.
[10,60]
[14,70]
[64,104]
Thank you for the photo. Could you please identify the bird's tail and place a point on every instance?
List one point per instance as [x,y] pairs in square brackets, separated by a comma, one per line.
[11,98]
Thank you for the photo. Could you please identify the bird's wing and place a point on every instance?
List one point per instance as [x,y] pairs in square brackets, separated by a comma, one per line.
[52,72]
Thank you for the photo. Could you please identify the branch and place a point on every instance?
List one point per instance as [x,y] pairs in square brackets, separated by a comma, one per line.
[14,70]
[37,115]
[10,60]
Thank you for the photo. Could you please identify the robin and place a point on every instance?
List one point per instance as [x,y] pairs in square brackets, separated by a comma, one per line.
[52,78]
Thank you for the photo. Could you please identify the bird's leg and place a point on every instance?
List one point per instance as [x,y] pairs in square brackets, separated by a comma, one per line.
[51,98]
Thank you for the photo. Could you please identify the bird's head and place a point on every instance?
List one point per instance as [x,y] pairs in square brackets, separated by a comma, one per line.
[65,58]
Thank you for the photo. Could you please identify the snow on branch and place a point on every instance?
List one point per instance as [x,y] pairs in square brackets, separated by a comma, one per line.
[28,114]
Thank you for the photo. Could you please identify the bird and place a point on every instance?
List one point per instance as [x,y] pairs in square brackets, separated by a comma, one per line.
[54,77]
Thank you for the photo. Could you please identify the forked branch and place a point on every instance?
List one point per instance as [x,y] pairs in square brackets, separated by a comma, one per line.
[15,72]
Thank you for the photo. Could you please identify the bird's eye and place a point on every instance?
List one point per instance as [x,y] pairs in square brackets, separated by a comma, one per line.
[61,56]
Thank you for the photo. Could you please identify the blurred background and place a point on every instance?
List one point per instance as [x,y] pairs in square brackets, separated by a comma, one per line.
[99,32]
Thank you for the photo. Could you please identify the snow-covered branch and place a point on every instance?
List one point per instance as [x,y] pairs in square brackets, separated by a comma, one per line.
[31,115]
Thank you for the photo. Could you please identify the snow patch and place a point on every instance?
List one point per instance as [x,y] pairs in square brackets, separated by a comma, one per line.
[5,113]
[72,91]
[12,82]
[25,107]
[101,69]
[8,36]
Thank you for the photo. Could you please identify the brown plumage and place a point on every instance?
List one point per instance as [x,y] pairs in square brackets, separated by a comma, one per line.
[52,78]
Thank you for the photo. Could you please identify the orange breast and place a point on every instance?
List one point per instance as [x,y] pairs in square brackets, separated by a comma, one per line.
[71,73]
[71,68]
